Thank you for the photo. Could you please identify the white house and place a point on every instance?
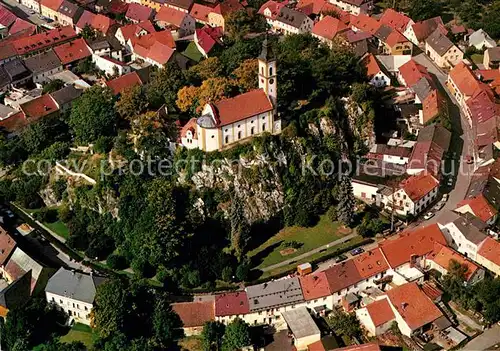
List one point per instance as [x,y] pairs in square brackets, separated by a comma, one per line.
[43,66]
[377,317]
[227,122]
[303,327]
[465,234]
[415,194]
[480,40]
[354,7]
[376,73]
[32,4]
[364,190]
[74,293]
[285,20]
[479,207]
[110,66]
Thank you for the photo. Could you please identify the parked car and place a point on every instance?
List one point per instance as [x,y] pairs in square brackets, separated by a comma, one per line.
[439,206]
[357,251]
[445,197]
[450,181]
[31,12]
[428,215]
[340,258]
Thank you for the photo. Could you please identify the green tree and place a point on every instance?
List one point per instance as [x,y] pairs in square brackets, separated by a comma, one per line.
[133,101]
[52,86]
[424,9]
[240,229]
[345,207]
[490,22]
[243,270]
[166,323]
[237,335]
[240,23]
[93,115]
[88,33]
[212,335]
[344,324]
[112,305]
[164,85]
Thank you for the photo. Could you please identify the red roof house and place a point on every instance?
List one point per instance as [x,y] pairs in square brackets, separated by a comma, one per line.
[231,304]
[97,22]
[72,51]
[328,27]
[411,72]
[39,107]
[315,286]
[380,312]
[488,255]
[127,81]
[200,13]
[206,38]
[479,207]
[442,255]
[6,16]
[194,314]
[413,306]
[395,20]
[21,25]
[7,245]
[419,242]
[170,16]
[423,29]
[139,13]
[419,185]
[43,40]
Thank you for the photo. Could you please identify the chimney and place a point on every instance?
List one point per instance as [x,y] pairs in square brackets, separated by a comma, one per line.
[404,305]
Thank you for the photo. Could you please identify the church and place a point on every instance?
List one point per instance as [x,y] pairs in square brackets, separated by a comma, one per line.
[229,121]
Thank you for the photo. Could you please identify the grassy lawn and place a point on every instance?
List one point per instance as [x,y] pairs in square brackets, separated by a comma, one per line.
[58,226]
[79,332]
[330,250]
[324,232]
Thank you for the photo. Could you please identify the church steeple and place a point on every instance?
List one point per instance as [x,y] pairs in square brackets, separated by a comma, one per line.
[267,71]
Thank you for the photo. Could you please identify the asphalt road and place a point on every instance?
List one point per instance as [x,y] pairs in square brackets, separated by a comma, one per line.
[484,341]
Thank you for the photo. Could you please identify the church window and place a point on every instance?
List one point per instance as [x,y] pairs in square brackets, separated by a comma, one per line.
[252,130]
[270,71]
[262,70]
[213,136]
[226,139]
[239,135]
[263,126]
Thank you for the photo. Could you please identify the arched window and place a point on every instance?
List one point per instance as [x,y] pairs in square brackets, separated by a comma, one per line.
[263,126]
[226,139]
[262,70]
[239,135]
[270,71]
[252,130]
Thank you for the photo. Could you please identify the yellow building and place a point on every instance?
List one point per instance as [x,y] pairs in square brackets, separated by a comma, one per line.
[50,9]
[488,255]
[152,4]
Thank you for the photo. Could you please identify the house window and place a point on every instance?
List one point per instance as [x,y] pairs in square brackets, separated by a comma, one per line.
[60,301]
[213,136]
[263,126]
[270,71]
[252,130]
[226,139]
[239,135]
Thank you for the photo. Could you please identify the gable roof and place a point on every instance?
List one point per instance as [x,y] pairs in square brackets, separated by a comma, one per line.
[171,16]
[39,107]
[370,263]
[380,312]
[6,16]
[291,17]
[231,304]
[432,105]
[21,263]
[242,106]
[138,12]
[274,293]
[328,27]
[365,23]
[471,227]
[412,72]
[42,62]
[432,142]
[494,54]
[395,38]
[273,6]
[419,185]
[480,207]
[482,106]
[51,4]
[98,22]
[184,4]
[372,66]
[207,37]
[75,285]
[342,275]
[66,95]
[43,40]
[131,30]
[72,51]
[70,10]
[490,250]
[439,42]
[200,12]
[194,314]
[418,242]
[413,305]
[479,36]
[314,286]
[423,88]
[395,20]
[464,79]
[442,255]
[424,29]
[127,81]
[22,26]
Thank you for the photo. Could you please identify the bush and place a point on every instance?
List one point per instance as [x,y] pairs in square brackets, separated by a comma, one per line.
[59,187]
[243,270]
[332,213]
[116,261]
[103,145]
[293,244]
[65,214]
[227,274]
[46,215]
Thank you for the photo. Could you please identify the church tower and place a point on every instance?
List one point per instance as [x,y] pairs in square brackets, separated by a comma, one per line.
[267,72]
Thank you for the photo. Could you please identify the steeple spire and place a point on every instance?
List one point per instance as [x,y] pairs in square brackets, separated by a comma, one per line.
[267,53]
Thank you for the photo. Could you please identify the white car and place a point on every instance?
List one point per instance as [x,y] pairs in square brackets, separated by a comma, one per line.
[428,215]
[445,197]
[439,205]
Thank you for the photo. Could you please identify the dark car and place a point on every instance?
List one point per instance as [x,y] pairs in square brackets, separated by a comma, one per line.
[357,251]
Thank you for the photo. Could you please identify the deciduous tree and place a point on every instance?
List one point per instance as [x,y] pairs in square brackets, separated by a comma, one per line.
[132,102]
[236,336]
[212,335]
[345,207]
[344,324]
[246,75]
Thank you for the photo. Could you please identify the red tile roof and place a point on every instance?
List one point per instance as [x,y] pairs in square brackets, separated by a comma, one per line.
[419,242]
[207,37]
[242,106]
[425,28]
[480,207]
[419,185]
[316,346]
[380,312]
[200,12]
[273,6]
[73,51]
[194,314]
[464,79]
[413,305]
[432,105]
[146,41]
[98,22]
[455,29]
[395,20]
[363,347]
[43,40]
[395,38]
[13,122]
[412,72]
[51,4]
[118,7]
[21,25]
[310,7]
[39,107]
[130,30]
[431,291]
[170,16]
[487,75]
[189,126]
[129,80]
[231,304]
[442,255]
[6,16]
[482,106]
[226,7]
[7,245]
[490,250]
[329,27]
[138,12]
[365,23]
[371,64]
[342,276]
[315,286]
[370,263]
